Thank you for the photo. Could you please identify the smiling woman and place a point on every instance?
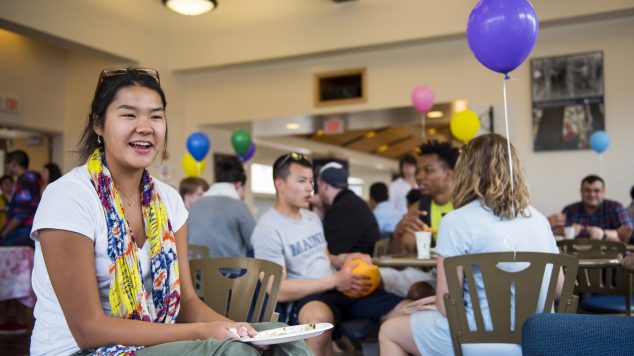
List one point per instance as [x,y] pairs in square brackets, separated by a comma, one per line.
[100,286]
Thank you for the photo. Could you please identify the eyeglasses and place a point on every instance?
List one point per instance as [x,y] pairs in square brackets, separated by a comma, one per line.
[294,157]
[113,72]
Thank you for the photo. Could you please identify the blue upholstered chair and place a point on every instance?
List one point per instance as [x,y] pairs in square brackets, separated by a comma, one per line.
[577,334]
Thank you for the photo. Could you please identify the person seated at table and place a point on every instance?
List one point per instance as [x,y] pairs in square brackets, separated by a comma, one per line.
[220,219]
[386,216]
[191,189]
[111,271]
[436,162]
[26,197]
[489,217]
[349,225]
[594,216]
[292,236]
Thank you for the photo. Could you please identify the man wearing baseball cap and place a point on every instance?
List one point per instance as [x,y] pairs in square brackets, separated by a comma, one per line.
[349,224]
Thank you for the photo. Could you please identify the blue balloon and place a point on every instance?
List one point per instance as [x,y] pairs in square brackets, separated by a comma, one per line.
[502,33]
[198,145]
[599,141]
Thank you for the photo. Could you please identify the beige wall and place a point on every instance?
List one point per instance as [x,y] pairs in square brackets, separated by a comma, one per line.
[284,89]
[38,149]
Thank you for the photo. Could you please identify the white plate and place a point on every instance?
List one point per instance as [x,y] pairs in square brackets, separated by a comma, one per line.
[287,334]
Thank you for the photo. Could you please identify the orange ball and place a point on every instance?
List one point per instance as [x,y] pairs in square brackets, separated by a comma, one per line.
[365,269]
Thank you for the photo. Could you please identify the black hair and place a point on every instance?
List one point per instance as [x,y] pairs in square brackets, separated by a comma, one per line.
[446,151]
[54,172]
[406,159]
[631,191]
[379,192]
[107,88]
[283,162]
[591,179]
[413,196]
[20,157]
[6,177]
[229,169]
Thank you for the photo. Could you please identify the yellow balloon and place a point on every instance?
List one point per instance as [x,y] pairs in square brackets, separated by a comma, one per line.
[464,125]
[191,167]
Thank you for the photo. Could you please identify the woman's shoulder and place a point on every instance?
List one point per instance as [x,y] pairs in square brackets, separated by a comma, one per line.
[76,180]
[166,189]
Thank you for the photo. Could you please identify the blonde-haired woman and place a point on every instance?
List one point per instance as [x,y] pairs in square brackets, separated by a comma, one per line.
[489,217]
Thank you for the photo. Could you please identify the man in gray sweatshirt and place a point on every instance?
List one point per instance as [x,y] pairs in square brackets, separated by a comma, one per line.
[220,219]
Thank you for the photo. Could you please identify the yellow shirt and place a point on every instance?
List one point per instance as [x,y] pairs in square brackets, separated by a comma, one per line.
[437,212]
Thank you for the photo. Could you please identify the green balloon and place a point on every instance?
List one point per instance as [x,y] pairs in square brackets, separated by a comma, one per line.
[241,140]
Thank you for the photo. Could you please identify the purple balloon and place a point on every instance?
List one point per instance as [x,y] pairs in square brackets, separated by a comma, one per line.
[502,33]
[249,154]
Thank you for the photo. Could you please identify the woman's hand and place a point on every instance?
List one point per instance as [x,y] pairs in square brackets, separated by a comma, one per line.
[221,330]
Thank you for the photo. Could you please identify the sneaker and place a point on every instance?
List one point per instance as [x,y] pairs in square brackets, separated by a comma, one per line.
[13,328]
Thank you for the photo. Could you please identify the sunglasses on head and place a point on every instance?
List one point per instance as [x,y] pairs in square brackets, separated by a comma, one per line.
[113,72]
[293,157]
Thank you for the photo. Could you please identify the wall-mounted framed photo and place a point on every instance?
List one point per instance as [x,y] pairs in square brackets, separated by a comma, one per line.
[567,97]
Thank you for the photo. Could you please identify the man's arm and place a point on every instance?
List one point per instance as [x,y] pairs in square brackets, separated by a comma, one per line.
[343,280]
[10,226]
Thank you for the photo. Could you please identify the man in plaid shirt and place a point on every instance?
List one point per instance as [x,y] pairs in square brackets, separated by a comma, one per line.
[594,216]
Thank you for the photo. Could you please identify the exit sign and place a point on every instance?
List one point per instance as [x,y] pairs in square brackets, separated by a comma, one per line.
[333,125]
[10,105]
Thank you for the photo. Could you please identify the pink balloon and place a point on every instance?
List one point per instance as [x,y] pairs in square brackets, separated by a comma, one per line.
[423,98]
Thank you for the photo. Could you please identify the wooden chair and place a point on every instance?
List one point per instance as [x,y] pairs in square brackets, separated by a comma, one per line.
[497,287]
[198,252]
[240,288]
[381,247]
[609,288]
[587,248]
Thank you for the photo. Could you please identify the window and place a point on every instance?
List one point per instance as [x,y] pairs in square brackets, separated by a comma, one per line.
[262,179]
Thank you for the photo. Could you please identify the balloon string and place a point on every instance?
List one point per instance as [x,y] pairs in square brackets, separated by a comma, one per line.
[198,168]
[508,143]
[601,164]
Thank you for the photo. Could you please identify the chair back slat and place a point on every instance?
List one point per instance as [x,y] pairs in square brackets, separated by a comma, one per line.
[504,279]
[238,287]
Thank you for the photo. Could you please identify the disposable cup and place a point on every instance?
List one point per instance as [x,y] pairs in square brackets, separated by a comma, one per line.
[423,244]
[569,232]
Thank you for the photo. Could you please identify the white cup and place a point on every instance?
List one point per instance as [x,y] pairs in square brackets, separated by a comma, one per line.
[569,232]
[423,244]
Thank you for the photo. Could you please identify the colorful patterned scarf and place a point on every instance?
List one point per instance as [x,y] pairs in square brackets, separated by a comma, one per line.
[128,297]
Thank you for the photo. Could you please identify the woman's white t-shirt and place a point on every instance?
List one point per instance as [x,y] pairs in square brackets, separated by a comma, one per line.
[71,203]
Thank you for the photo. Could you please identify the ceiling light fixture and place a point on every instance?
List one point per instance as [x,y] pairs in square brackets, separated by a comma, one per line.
[191,7]
[292,126]
[434,114]
[382,148]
